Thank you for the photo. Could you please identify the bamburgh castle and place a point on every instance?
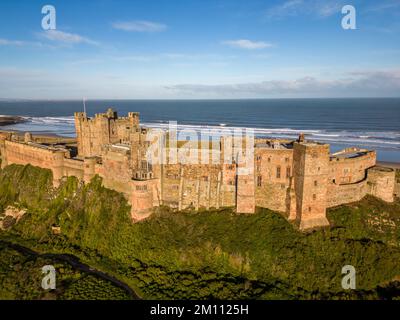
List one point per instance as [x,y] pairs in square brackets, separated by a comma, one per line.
[299,178]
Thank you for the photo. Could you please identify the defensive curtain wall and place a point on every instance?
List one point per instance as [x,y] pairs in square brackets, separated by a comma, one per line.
[298,178]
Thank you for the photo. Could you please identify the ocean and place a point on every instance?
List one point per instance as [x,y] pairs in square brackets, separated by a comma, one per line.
[372,123]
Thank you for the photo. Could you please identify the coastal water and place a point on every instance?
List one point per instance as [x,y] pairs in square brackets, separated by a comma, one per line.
[367,123]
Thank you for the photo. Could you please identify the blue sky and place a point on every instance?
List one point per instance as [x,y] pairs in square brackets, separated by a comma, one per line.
[199,49]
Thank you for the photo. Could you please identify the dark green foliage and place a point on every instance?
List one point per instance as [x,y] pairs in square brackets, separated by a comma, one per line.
[92,288]
[21,277]
[210,254]
[36,184]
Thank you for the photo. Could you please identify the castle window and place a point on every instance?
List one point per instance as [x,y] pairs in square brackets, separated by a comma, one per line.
[286,159]
[259,181]
[141,188]
[334,180]
[269,159]
[278,172]
[258,158]
[316,183]
[319,168]
[288,172]
[314,196]
[144,165]
[309,209]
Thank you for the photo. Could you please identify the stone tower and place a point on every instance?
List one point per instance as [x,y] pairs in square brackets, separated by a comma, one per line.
[245,197]
[381,183]
[311,166]
[105,128]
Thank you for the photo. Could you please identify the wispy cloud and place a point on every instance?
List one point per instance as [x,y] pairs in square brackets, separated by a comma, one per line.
[66,38]
[139,26]
[6,42]
[136,58]
[361,83]
[318,8]
[288,8]
[173,56]
[20,43]
[247,44]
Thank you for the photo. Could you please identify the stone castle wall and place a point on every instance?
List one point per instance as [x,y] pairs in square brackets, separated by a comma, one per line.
[346,193]
[300,179]
[351,170]
[348,178]
[397,189]
[273,174]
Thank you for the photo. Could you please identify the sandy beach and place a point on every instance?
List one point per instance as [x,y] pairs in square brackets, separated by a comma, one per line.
[394,165]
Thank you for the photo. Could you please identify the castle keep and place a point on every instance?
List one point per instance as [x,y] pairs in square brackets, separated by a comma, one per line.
[299,178]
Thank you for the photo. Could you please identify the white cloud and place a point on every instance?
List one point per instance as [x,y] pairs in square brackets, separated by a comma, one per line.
[66,38]
[139,26]
[247,44]
[361,83]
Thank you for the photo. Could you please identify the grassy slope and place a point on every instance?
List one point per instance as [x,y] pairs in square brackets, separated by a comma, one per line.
[213,254]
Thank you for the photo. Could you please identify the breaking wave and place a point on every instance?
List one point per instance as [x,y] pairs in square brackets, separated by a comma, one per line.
[373,139]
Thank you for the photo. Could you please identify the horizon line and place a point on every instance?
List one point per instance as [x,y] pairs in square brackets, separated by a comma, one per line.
[185,99]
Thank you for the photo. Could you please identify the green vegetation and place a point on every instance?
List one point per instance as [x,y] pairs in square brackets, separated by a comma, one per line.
[21,277]
[211,254]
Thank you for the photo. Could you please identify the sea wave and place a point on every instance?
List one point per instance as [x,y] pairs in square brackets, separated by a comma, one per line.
[373,139]
[51,120]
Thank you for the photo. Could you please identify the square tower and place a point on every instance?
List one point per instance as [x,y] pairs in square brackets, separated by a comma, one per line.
[311,166]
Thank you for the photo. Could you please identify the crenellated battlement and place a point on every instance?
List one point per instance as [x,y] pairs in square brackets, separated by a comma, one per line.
[299,178]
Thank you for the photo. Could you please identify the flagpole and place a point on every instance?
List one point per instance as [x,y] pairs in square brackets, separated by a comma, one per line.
[84,105]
